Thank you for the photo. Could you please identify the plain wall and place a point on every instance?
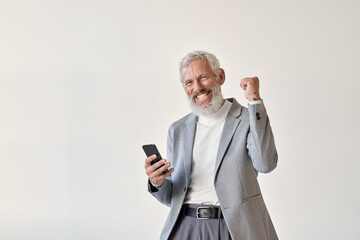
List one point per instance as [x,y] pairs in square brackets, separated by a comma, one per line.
[84,84]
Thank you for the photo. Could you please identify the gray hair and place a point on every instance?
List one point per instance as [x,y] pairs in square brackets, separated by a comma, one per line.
[195,55]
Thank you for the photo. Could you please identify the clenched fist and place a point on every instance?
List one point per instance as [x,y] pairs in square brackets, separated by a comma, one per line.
[250,85]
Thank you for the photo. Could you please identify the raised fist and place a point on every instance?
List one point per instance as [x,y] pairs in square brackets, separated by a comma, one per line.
[250,85]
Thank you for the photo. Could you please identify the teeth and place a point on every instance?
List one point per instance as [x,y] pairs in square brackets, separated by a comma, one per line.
[201,96]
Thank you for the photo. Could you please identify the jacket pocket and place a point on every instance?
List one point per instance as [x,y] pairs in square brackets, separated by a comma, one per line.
[257,196]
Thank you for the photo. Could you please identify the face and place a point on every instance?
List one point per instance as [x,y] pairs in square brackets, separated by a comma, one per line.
[200,82]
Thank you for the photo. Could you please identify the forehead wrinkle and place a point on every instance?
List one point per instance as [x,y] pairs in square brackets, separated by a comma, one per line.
[195,71]
[188,70]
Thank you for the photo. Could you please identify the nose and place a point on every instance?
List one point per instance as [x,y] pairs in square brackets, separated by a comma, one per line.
[198,87]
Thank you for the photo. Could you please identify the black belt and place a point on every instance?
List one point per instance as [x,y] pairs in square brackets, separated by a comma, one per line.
[202,212]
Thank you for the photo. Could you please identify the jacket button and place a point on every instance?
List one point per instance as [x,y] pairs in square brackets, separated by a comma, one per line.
[258,116]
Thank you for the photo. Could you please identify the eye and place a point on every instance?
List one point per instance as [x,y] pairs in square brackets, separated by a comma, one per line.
[187,83]
[203,77]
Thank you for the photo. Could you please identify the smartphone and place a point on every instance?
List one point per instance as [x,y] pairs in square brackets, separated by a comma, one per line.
[151,149]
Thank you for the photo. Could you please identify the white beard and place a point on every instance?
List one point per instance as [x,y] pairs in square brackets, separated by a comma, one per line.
[215,104]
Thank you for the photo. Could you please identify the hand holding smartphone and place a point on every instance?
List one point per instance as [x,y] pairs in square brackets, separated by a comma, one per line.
[151,149]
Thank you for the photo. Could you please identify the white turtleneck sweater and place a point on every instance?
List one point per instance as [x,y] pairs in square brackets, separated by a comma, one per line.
[206,144]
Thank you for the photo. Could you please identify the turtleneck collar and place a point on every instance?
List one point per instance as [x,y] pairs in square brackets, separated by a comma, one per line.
[218,116]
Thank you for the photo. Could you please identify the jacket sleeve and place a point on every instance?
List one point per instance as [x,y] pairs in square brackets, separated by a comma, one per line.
[163,193]
[260,141]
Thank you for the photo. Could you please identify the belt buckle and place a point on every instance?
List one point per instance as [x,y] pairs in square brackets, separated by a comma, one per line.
[198,211]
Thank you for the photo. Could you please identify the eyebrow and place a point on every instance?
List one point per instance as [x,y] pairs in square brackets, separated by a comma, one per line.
[199,76]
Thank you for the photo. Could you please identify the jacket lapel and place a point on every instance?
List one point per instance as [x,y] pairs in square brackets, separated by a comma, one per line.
[189,135]
[231,123]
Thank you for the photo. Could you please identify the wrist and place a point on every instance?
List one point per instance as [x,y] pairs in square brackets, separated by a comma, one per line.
[156,184]
[252,98]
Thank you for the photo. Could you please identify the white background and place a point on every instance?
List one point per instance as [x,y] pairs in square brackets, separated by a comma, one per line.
[84,84]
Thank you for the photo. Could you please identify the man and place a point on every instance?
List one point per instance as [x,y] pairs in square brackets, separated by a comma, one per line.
[216,153]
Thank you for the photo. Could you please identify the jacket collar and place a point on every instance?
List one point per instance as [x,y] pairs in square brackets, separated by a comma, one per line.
[231,123]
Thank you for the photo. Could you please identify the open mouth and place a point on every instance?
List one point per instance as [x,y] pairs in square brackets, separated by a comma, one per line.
[202,97]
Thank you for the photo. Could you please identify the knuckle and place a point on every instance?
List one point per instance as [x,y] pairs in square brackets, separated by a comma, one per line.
[158,172]
[159,163]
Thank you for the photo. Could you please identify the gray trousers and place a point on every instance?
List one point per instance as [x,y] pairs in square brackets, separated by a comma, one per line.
[191,228]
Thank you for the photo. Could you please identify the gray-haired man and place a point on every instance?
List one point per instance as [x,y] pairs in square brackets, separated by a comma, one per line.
[215,153]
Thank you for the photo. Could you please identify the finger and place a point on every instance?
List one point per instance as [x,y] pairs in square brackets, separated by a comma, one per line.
[251,82]
[160,178]
[243,85]
[254,80]
[247,79]
[171,170]
[250,79]
[160,171]
[149,160]
[151,169]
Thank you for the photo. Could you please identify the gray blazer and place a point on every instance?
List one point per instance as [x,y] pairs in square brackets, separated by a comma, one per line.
[246,148]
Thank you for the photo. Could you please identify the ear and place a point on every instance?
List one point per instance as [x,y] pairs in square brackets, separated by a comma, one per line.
[221,76]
